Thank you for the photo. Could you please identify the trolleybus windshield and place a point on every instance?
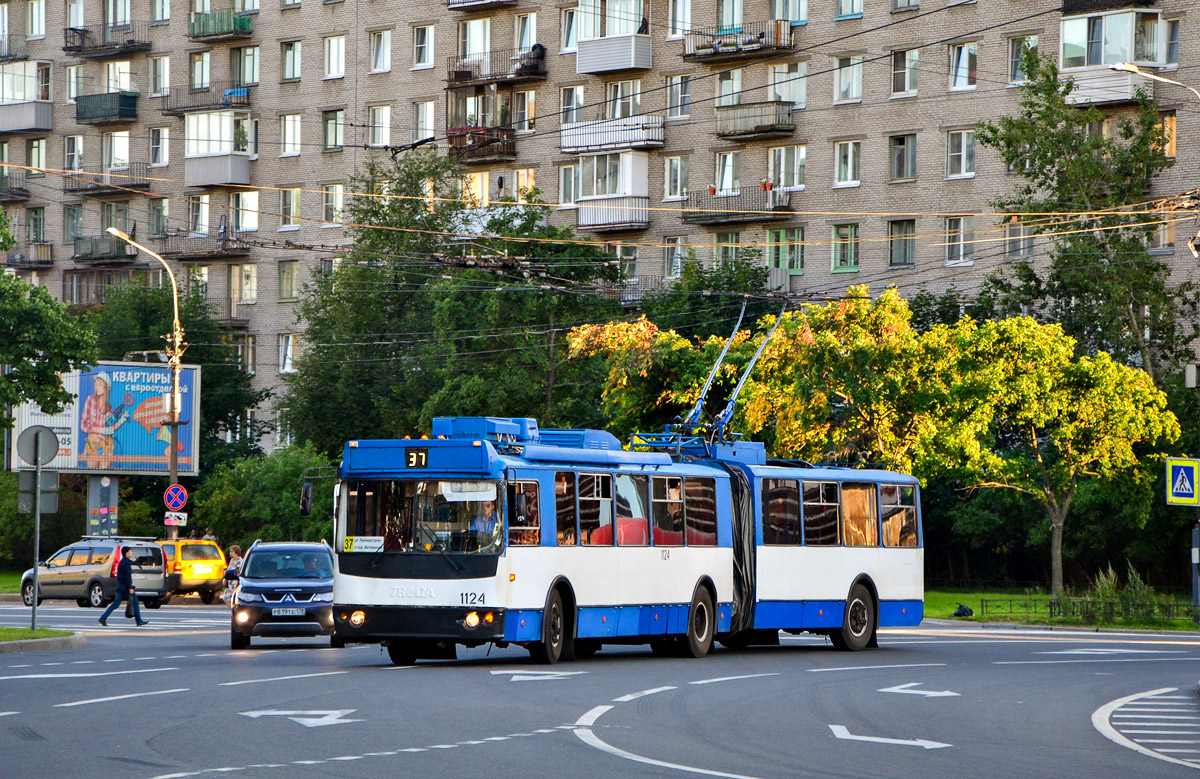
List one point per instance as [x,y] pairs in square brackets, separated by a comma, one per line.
[421,516]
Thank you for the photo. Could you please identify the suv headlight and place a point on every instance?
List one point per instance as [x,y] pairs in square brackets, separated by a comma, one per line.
[249,597]
[323,597]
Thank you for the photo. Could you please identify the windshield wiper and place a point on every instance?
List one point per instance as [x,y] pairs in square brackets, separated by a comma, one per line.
[441,548]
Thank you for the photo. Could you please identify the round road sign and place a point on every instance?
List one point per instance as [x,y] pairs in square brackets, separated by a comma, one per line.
[175,497]
[37,445]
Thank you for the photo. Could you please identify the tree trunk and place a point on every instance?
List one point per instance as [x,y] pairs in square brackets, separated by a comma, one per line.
[1056,572]
[1139,332]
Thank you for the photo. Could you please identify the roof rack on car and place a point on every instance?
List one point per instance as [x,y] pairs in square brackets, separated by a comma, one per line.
[119,538]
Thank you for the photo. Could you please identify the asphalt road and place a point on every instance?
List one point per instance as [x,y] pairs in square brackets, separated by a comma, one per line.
[171,700]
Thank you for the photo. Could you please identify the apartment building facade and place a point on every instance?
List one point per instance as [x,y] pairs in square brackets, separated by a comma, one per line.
[834,136]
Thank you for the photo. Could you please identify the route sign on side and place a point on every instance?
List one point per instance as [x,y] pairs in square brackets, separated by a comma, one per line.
[175,497]
[1181,481]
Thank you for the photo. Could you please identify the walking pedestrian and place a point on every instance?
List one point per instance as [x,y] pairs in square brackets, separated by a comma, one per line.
[125,588]
[235,565]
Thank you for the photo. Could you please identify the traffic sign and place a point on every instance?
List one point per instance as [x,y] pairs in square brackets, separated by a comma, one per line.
[177,518]
[1182,473]
[37,445]
[175,497]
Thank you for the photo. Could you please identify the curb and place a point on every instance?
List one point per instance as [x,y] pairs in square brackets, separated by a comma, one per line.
[75,641]
[1050,628]
[10,597]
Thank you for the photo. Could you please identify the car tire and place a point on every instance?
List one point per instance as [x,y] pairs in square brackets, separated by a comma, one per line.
[96,594]
[238,640]
[84,603]
[152,603]
[337,642]
[27,593]
[164,600]
[208,597]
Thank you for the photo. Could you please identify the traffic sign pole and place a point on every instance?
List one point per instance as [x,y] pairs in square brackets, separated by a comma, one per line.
[37,526]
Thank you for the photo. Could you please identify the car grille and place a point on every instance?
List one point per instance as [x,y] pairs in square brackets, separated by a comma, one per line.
[288,597]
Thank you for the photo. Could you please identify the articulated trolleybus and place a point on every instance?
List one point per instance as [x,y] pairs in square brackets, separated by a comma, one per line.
[493,531]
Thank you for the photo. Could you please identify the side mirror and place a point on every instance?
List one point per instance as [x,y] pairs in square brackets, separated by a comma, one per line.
[306,499]
[231,576]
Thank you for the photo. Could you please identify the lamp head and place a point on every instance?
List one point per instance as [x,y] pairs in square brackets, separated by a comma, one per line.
[119,233]
[1125,67]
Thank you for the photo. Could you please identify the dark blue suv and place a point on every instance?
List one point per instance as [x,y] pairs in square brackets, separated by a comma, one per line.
[284,589]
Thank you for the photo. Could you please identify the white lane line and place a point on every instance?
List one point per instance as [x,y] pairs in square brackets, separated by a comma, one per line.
[415,749]
[591,739]
[206,654]
[475,743]
[1180,751]
[635,695]
[1128,732]
[1155,716]
[1099,660]
[1166,741]
[589,719]
[138,658]
[443,746]
[281,678]
[546,730]
[22,665]
[118,698]
[82,662]
[348,757]
[872,667]
[731,678]
[174,657]
[86,675]
[505,738]
[116,660]
[8,713]
[53,663]
[1100,721]
[307,762]
[380,754]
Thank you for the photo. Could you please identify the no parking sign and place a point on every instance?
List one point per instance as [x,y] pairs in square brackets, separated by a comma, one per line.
[175,497]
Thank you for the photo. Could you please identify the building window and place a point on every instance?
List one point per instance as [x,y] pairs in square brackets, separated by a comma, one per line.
[679,18]
[72,222]
[474,38]
[160,11]
[848,80]
[118,76]
[114,214]
[335,56]
[964,66]
[289,133]
[729,175]
[786,250]
[197,281]
[1162,236]
[245,211]
[789,83]
[332,124]
[568,185]
[674,250]
[572,104]
[787,166]
[114,150]
[960,154]
[1017,49]
[200,70]
[849,9]
[245,6]
[676,170]
[423,46]
[159,216]
[247,351]
[627,260]
[727,247]
[1173,42]
[35,224]
[475,189]
[845,247]
[1168,127]
[526,31]
[729,87]
[794,11]
[35,19]
[902,242]
[159,145]
[679,96]
[904,157]
[288,342]
[1018,240]
[570,32]
[624,99]
[381,50]
[379,117]
[285,436]
[291,60]
[960,240]
[73,152]
[907,5]
[74,75]
[289,279]
[244,64]
[160,76]
[289,208]
[243,283]
[332,196]
[905,71]
[847,163]
[422,120]
[35,156]
[524,111]
[198,215]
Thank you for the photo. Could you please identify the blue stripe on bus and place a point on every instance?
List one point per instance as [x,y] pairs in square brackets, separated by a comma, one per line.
[614,621]
[901,613]
[830,614]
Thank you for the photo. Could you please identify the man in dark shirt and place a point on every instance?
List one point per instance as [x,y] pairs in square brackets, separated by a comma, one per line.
[124,588]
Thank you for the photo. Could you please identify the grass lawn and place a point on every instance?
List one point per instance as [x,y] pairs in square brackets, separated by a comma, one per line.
[940,604]
[20,634]
[10,581]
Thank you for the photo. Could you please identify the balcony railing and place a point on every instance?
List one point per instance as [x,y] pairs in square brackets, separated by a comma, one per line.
[614,53]
[718,44]
[106,40]
[106,108]
[102,248]
[755,120]
[632,291]
[511,65]
[188,247]
[483,144]
[747,205]
[631,132]
[224,25]
[613,213]
[26,116]
[475,5]
[1105,86]
[12,47]
[32,254]
[105,180]
[217,95]
[13,187]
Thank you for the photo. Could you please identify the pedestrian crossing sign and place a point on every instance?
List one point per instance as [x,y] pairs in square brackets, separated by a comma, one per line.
[1181,481]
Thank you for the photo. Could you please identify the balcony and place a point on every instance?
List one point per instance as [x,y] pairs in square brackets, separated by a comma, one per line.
[511,66]
[614,53]
[31,254]
[214,97]
[236,314]
[748,205]
[483,144]
[746,121]
[1105,86]
[185,247]
[102,249]
[632,132]
[106,108]
[477,5]
[105,180]
[1070,7]
[27,116]
[613,213]
[218,26]
[633,291]
[106,40]
[12,48]
[217,170]
[723,44]
[13,187]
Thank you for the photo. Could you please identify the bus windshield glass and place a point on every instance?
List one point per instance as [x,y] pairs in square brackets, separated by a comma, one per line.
[421,517]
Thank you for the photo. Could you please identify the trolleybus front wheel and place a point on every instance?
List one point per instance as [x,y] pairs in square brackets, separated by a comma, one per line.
[858,627]
[550,648]
[400,653]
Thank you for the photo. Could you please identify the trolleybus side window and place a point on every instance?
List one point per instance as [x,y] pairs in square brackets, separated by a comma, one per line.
[899,510]
[564,507]
[860,526]
[633,510]
[820,513]
[781,517]
[700,498]
[595,509]
[667,502]
[524,514]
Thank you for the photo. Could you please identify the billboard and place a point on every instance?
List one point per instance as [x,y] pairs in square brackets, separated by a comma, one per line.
[117,422]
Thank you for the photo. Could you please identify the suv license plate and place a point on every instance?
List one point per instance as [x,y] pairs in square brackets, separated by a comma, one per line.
[293,612]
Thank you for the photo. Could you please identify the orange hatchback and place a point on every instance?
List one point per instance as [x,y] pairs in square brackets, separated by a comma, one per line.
[194,566]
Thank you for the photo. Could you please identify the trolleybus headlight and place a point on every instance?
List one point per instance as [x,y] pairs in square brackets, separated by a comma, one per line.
[357,619]
[472,620]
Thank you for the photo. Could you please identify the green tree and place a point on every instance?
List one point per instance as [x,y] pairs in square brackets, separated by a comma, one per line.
[38,341]
[705,301]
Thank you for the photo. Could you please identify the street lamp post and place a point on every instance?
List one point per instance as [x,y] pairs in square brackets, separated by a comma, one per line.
[175,347]
[1129,67]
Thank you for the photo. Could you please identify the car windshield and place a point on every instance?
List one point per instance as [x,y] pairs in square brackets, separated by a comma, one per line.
[422,517]
[199,552]
[290,564]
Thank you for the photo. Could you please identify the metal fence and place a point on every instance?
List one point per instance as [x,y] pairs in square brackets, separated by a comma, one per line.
[737,41]
[94,39]
[497,65]
[1087,609]
[99,178]
[214,96]
[220,24]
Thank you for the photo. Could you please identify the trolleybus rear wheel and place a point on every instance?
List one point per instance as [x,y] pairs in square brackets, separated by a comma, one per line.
[700,625]
[858,627]
[550,648]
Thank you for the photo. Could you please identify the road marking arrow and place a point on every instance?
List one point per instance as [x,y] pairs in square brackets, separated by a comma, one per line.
[309,719]
[538,676]
[906,689]
[841,732]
